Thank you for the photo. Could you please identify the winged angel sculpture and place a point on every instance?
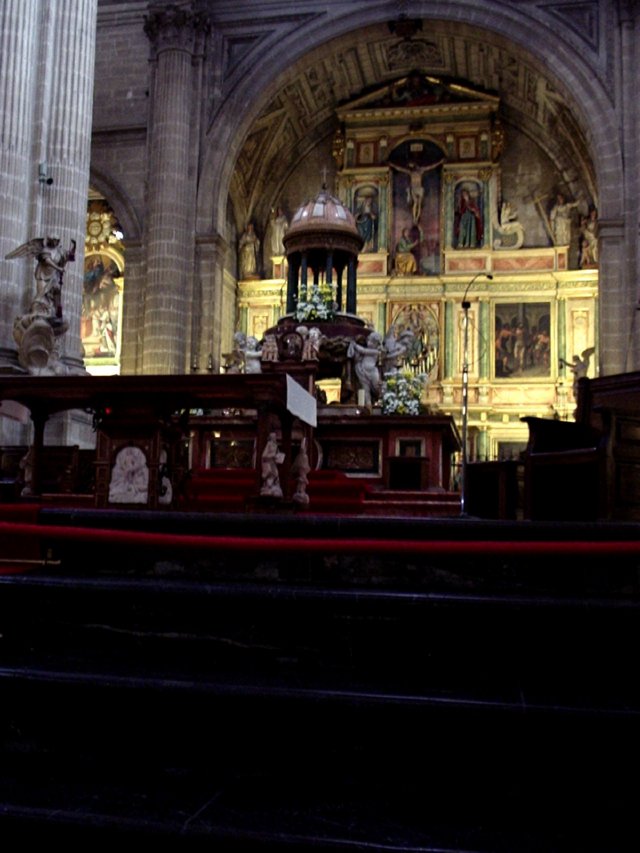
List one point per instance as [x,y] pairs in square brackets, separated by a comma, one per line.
[37,331]
[579,367]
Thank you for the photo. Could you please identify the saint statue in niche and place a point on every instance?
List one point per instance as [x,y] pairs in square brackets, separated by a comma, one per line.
[248,253]
[366,216]
[468,223]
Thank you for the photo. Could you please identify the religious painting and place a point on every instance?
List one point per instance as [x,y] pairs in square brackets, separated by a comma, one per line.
[522,340]
[469,213]
[467,147]
[416,182]
[102,305]
[366,153]
[422,353]
[367,215]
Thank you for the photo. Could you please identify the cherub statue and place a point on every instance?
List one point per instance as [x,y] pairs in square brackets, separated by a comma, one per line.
[365,360]
[234,360]
[252,356]
[395,348]
[311,346]
[579,367]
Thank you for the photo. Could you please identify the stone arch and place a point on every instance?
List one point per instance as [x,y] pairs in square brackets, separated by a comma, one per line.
[120,204]
[255,82]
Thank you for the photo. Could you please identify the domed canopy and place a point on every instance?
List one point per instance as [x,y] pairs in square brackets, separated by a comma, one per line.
[323,222]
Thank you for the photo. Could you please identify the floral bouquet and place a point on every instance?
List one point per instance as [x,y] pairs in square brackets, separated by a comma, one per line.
[401,393]
[316,307]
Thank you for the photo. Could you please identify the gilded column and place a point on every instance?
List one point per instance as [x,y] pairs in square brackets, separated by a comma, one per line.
[177,34]
[486,352]
[448,366]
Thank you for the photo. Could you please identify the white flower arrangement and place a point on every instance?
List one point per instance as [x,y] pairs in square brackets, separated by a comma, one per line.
[316,307]
[401,393]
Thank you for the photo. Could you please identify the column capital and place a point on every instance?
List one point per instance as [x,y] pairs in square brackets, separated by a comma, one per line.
[178,26]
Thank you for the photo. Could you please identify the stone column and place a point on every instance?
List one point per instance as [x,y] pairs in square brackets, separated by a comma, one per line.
[47,54]
[63,143]
[177,34]
[18,174]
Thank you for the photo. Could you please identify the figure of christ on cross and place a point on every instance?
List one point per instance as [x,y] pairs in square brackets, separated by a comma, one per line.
[415,193]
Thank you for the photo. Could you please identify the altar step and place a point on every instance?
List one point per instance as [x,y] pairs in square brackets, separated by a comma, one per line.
[327,701]
[423,503]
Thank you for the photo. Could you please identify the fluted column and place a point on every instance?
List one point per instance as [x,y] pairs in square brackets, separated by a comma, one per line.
[64,143]
[18,180]
[177,35]
[47,52]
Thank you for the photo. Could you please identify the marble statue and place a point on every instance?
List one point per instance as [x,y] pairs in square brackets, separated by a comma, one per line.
[279,226]
[37,332]
[365,359]
[311,340]
[252,356]
[26,466]
[395,348]
[248,253]
[560,220]
[269,351]
[300,471]
[165,487]
[129,477]
[234,360]
[271,458]
[579,367]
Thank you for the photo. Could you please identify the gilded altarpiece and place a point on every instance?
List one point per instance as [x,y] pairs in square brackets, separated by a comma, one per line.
[419,164]
[102,294]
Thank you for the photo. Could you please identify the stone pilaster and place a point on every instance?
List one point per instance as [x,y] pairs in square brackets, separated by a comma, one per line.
[177,34]
[207,313]
[133,310]
[18,174]
[618,320]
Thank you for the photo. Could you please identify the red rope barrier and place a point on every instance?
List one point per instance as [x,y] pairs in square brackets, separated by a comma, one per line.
[441,547]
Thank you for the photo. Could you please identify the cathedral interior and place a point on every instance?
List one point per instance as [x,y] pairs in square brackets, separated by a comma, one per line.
[393,666]
[476,155]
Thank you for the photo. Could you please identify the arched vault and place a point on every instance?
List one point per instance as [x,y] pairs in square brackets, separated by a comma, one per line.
[288,100]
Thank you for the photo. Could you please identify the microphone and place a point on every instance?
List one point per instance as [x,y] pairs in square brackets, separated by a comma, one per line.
[488,275]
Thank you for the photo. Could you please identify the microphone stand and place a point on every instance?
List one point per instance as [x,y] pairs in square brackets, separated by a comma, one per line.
[465,393]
